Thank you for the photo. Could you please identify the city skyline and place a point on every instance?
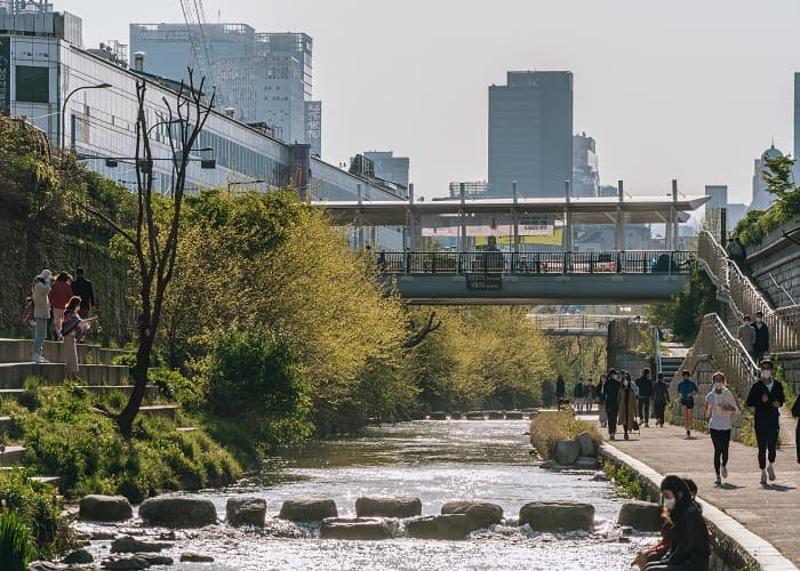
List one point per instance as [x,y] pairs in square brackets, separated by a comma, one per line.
[664,96]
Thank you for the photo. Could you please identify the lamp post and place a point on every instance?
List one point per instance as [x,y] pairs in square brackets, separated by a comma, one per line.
[64,107]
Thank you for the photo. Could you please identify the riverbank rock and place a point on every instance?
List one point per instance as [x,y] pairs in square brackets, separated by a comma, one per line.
[476,415]
[480,514]
[557,516]
[246,511]
[567,451]
[130,544]
[514,415]
[449,527]
[588,448]
[642,516]
[142,561]
[359,529]
[308,510]
[388,507]
[438,416]
[190,557]
[587,463]
[104,508]
[456,415]
[178,512]
[78,557]
[496,415]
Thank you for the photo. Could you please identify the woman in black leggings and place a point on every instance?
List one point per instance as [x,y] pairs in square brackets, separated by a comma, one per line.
[720,408]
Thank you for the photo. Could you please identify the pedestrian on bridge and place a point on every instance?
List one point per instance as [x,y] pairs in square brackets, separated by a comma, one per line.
[720,408]
[626,406]
[578,393]
[747,335]
[767,397]
[688,389]
[645,386]
[660,399]
[610,394]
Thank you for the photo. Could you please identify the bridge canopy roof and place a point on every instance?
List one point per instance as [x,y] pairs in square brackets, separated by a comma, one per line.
[584,210]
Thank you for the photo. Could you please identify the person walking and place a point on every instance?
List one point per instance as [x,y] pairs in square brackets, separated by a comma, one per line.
[766,398]
[626,406]
[588,395]
[561,391]
[41,313]
[84,289]
[796,414]
[747,335]
[761,344]
[720,408]
[578,393]
[73,331]
[660,399]
[687,389]
[645,386]
[689,548]
[610,395]
[599,392]
[59,296]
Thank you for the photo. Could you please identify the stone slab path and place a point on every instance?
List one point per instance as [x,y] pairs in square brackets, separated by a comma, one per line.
[773,513]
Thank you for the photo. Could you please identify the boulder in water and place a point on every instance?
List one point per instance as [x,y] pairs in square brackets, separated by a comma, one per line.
[642,516]
[178,512]
[514,415]
[557,516]
[480,514]
[359,529]
[588,448]
[476,415]
[246,511]
[438,416]
[456,415]
[78,557]
[388,507]
[496,415]
[308,510]
[130,544]
[446,527]
[567,451]
[587,463]
[104,508]
[190,557]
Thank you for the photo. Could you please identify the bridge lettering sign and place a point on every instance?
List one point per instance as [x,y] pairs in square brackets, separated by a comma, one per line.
[485,281]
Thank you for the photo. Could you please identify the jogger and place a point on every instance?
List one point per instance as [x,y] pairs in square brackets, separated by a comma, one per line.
[720,408]
[767,397]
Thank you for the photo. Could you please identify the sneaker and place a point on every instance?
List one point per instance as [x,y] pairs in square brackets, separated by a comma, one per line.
[718,481]
[647,425]
[725,472]
[771,472]
[627,437]
[612,437]
[688,433]
[763,477]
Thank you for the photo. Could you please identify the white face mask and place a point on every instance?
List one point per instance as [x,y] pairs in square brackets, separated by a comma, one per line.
[718,387]
[748,323]
[669,503]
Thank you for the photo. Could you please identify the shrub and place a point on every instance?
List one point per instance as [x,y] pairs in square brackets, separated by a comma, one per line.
[548,427]
[14,542]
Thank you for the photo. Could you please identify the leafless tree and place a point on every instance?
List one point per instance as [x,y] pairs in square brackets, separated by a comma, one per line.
[154,239]
[419,333]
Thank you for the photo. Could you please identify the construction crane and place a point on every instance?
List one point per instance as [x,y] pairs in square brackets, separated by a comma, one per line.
[195,16]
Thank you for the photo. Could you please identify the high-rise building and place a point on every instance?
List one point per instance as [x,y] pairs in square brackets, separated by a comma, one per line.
[530,134]
[761,198]
[796,115]
[389,167]
[262,77]
[585,166]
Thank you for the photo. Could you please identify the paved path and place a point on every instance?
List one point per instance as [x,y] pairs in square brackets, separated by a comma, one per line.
[772,513]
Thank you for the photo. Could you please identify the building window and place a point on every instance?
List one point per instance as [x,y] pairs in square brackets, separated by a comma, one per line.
[33,84]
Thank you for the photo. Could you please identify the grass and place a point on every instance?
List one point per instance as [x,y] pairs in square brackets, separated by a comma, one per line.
[625,480]
[549,427]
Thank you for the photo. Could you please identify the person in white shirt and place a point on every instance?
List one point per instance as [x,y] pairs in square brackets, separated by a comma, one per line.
[720,408]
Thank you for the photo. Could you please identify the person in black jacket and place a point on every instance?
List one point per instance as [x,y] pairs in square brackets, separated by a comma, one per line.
[84,289]
[796,414]
[690,548]
[660,399]
[561,391]
[761,345]
[610,393]
[645,386]
[766,397]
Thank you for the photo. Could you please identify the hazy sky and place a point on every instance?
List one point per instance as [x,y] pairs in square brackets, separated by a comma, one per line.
[686,89]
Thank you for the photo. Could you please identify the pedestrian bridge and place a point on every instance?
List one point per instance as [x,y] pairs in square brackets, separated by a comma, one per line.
[496,277]
[580,324]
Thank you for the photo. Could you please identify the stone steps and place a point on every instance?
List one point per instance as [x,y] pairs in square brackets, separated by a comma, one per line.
[166,410]
[52,480]
[19,351]
[12,456]
[150,392]
[13,375]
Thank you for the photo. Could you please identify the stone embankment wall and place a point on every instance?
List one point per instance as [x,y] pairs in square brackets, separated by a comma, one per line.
[630,347]
[777,257]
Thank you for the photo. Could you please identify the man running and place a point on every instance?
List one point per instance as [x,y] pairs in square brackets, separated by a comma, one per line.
[766,397]
[720,408]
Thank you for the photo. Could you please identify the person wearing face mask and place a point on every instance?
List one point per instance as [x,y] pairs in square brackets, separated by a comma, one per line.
[660,399]
[690,548]
[747,335]
[610,393]
[796,414]
[687,388]
[767,397]
[720,408]
[601,400]
[626,405]
[761,343]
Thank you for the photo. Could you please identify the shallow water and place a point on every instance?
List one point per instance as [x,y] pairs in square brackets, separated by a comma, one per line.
[435,461]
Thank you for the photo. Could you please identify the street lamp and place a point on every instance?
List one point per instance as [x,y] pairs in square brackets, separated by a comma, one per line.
[64,107]
[238,182]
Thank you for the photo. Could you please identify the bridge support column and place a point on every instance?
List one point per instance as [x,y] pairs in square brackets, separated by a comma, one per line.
[619,233]
[673,217]
[462,245]
[515,218]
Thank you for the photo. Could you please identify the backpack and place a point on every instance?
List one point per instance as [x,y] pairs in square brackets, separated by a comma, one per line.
[27,314]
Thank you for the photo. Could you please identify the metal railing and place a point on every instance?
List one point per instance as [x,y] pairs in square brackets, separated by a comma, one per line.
[571,321]
[537,263]
[743,297]
[657,357]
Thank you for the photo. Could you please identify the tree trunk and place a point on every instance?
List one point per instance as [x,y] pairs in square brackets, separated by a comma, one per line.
[140,379]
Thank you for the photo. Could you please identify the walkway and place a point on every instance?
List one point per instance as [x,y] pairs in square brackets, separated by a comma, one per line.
[769,513]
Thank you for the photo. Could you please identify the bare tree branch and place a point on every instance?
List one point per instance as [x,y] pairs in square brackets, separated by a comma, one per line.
[419,336]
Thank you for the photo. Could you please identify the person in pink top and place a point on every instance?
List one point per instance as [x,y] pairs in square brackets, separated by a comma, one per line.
[59,296]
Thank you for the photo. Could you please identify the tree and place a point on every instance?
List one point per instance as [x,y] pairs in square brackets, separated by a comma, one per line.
[155,236]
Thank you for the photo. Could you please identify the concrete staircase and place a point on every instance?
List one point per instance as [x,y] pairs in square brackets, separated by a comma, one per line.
[97,374]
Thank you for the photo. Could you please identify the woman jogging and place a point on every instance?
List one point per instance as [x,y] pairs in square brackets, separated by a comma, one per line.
[720,408]
[687,389]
